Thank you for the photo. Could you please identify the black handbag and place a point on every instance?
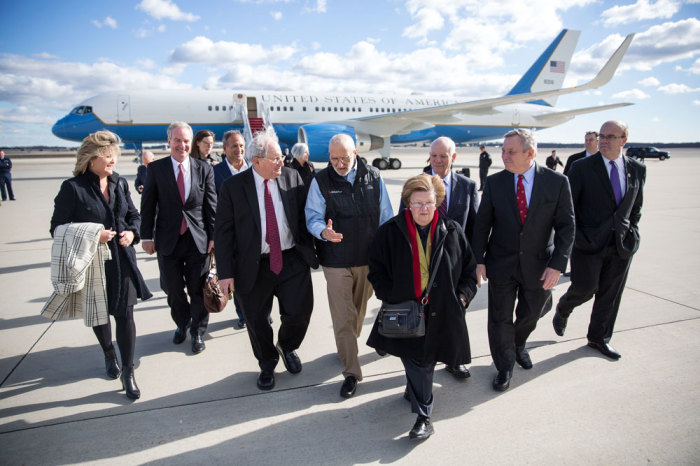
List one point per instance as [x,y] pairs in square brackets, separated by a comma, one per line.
[406,319]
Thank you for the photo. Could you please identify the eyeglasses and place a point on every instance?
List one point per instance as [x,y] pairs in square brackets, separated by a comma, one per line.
[422,205]
[344,160]
[610,137]
[275,161]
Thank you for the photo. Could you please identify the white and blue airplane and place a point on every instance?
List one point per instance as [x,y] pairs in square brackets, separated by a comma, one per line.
[373,121]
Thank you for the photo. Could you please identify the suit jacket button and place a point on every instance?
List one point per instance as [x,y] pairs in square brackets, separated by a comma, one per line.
[433,314]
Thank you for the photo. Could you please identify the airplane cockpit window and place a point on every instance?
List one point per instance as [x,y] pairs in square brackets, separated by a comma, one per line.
[78,110]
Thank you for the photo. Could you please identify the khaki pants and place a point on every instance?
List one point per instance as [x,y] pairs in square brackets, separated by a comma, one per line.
[348,293]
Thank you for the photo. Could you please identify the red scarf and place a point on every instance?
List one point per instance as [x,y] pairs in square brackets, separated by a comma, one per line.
[413,238]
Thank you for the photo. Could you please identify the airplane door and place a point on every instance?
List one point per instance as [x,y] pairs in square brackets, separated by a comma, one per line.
[252,107]
[124,109]
[516,117]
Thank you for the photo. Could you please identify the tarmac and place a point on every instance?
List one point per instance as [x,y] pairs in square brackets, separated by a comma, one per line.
[575,406]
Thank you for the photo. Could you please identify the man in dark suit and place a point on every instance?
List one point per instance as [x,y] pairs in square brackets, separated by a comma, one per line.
[233,164]
[591,147]
[181,190]
[484,164]
[460,204]
[607,190]
[142,170]
[264,251]
[522,239]
[234,160]
[553,160]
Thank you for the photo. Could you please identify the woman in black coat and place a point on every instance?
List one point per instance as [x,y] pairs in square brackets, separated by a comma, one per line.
[399,271]
[97,194]
[301,163]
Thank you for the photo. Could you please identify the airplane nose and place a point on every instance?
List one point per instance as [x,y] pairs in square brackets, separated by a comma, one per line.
[58,128]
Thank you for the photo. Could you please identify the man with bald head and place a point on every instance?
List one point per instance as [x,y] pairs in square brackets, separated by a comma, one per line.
[607,190]
[263,251]
[142,170]
[347,203]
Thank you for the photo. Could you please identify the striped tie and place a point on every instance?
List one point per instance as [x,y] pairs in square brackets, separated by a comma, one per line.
[443,208]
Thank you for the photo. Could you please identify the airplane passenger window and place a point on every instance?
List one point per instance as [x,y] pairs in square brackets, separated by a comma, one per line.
[303,108]
[284,108]
[335,109]
[353,109]
[210,108]
[317,109]
[291,109]
[341,109]
[359,109]
[217,108]
[278,109]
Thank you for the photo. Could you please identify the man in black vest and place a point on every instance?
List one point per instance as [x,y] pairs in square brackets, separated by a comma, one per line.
[347,203]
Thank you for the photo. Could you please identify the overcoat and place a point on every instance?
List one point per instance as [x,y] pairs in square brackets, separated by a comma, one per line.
[391,274]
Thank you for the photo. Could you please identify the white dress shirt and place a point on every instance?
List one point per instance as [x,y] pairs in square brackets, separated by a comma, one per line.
[286,239]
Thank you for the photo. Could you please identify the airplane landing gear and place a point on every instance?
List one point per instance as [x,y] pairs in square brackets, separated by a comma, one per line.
[383,164]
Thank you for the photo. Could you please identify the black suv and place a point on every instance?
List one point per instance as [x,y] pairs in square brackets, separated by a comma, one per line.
[649,152]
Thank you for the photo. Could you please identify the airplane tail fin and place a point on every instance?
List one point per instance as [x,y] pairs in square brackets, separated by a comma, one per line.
[549,70]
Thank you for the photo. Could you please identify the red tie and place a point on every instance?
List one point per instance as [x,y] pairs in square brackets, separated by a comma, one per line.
[181,188]
[443,208]
[521,199]
[272,236]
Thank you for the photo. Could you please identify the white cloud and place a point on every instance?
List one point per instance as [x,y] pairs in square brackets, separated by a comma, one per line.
[315,6]
[664,43]
[315,45]
[203,50]
[696,102]
[639,11]
[276,15]
[110,22]
[161,28]
[674,88]
[649,82]
[427,20]
[165,9]
[656,120]
[631,94]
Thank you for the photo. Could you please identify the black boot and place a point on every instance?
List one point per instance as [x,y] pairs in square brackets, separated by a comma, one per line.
[129,383]
[111,364]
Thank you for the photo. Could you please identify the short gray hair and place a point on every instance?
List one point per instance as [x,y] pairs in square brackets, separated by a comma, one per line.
[451,146]
[230,133]
[527,138]
[299,150]
[258,145]
[343,139]
[178,124]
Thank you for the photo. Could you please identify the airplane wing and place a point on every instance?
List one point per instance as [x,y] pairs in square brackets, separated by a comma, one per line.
[568,114]
[405,122]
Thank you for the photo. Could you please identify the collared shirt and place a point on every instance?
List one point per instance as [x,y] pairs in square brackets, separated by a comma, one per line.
[235,171]
[588,154]
[188,173]
[528,179]
[448,182]
[286,239]
[620,164]
[315,208]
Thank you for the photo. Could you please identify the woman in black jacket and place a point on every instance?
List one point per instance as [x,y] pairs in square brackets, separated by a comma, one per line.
[301,163]
[97,194]
[402,257]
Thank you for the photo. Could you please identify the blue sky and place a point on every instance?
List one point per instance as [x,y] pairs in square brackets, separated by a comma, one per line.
[53,55]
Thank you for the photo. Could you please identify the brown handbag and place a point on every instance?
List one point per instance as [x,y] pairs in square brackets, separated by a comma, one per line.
[215,299]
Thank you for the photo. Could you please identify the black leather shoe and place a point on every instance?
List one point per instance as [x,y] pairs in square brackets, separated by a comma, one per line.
[502,381]
[406,396]
[460,372]
[349,387]
[180,335]
[266,380]
[129,384]
[559,323]
[422,429]
[291,360]
[112,365]
[241,323]
[522,357]
[605,349]
[197,344]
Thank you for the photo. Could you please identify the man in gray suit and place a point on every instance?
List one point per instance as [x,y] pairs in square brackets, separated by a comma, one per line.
[522,240]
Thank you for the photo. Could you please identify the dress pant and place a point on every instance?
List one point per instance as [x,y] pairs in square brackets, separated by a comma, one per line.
[419,383]
[504,335]
[348,293]
[186,267]
[603,275]
[295,295]
[6,182]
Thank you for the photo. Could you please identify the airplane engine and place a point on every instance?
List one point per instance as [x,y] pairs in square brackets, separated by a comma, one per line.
[317,137]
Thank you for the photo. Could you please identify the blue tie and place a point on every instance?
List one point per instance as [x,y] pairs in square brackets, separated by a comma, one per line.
[615,181]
